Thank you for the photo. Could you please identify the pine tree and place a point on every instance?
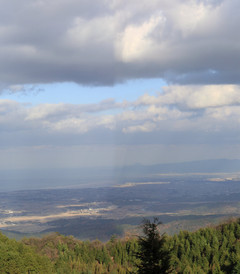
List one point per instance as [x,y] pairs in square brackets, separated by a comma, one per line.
[153,258]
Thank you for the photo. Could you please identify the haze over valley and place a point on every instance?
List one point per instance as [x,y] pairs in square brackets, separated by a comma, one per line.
[76,204]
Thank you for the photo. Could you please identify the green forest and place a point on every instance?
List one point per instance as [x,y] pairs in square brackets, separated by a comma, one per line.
[207,250]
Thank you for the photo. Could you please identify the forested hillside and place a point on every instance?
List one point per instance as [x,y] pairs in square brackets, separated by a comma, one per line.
[16,257]
[208,250]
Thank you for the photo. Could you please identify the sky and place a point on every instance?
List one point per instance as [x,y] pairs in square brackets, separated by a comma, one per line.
[118,83]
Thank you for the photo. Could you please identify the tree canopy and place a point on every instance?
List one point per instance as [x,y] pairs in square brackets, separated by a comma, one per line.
[208,250]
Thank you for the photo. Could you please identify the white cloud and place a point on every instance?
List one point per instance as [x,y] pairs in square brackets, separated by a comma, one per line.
[145,127]
[179,120]
[177,109]
[191,17]
[195,97]
[228,114]
[136,42]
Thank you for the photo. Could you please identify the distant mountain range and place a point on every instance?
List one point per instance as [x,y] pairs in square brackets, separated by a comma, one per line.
[204,166]
[102,176]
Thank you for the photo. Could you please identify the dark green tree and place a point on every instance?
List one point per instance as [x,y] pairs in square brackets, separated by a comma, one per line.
[153,258]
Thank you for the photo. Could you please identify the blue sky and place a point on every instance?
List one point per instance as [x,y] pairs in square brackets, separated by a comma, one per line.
[117,83]
[74,93]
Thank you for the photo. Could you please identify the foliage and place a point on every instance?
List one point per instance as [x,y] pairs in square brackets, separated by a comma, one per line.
[16,257]
[70,255]
[153,258]
[208,250]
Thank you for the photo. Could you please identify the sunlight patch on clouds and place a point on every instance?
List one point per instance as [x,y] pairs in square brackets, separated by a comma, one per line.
[195,97]
[136,41]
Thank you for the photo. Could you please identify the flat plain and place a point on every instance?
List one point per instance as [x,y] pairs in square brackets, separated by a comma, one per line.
[181,201]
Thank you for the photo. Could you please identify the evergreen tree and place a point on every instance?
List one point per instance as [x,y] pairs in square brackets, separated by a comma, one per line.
[153,258]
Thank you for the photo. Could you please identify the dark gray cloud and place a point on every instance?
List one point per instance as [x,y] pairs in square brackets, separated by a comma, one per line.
[111,41]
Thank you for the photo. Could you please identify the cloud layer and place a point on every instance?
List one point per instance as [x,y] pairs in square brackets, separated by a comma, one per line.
[182,123]
[178,110]
[184,42]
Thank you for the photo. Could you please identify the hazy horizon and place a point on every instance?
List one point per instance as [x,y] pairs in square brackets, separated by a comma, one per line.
[33,179]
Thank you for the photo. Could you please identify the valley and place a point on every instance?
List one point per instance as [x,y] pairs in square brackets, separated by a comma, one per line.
[181,201]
